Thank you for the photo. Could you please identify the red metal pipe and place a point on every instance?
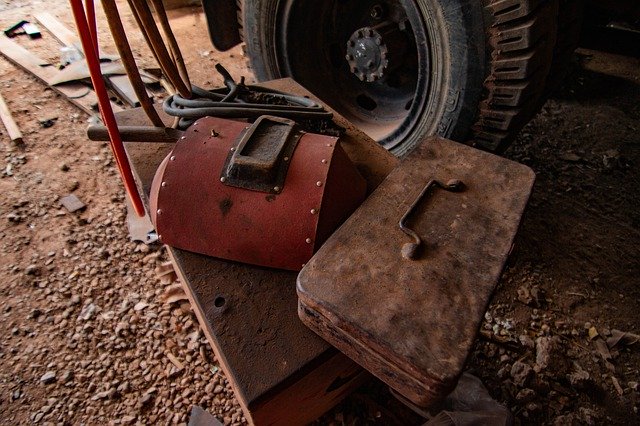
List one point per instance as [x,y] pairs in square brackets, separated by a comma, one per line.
[91,19]
[93,61]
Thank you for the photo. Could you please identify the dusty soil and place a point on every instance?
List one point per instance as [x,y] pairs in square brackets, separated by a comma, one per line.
[86,336]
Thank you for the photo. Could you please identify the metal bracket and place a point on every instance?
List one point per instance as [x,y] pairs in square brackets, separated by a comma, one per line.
[410,250]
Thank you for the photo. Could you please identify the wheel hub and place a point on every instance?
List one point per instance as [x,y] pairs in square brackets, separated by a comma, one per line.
[367,54]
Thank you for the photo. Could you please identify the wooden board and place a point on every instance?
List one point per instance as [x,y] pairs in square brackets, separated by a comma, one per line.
[62,33]
[281,372]
[78,94]
[9,123]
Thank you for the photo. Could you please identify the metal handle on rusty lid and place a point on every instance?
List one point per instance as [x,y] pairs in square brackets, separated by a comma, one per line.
[410,250]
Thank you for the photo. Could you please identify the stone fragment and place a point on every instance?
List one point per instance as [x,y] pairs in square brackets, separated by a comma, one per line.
[520,373]
[48,377]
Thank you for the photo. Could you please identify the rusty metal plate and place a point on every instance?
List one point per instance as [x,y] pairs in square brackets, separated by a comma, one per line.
[411,320]
[194,210]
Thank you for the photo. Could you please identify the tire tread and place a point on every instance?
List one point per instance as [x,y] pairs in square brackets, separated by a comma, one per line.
[521,37]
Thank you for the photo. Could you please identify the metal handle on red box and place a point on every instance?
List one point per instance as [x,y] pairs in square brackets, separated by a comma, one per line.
[86,31]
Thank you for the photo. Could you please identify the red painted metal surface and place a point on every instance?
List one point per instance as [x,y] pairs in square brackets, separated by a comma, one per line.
[91,54]
[193,210]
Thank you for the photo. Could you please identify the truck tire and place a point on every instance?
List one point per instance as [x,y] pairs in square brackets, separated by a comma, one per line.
[401,70]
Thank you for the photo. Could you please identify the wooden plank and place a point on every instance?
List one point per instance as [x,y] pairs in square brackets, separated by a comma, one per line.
[78,94]
[9,123]
[57,29]
[25,59]
[61,33]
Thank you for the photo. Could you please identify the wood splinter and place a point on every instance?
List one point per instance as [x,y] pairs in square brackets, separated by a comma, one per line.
[9,123]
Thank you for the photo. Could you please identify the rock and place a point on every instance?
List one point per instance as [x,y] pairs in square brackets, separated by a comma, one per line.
[520,373]
[588,416]
[108,394]
[527,341]
[548,353]
[14,217]
[146,399]
[525,395]
[218,389]
[140,306]
[32,270]
[570,157]
[73,185]
[579,379]
[48,377]
[524,295]
[127,420]
[88,311]
[67,376]
[45,123]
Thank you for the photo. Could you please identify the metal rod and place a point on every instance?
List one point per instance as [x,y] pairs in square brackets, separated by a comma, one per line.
[91,19]
[108,117]
[136,134]
[122,44]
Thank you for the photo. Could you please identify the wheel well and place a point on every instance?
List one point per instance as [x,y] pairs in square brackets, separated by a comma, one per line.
[223,23]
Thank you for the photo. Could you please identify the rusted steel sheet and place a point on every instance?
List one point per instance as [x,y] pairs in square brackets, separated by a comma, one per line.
[411,320]
[193,209]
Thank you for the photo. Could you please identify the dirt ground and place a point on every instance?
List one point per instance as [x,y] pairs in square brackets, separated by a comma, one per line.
[86,337]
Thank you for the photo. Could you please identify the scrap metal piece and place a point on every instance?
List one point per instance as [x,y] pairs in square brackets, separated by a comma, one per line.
[412,324]
[72,203]
[200,417]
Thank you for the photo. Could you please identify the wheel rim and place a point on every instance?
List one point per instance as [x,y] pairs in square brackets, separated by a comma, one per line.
[369,60]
